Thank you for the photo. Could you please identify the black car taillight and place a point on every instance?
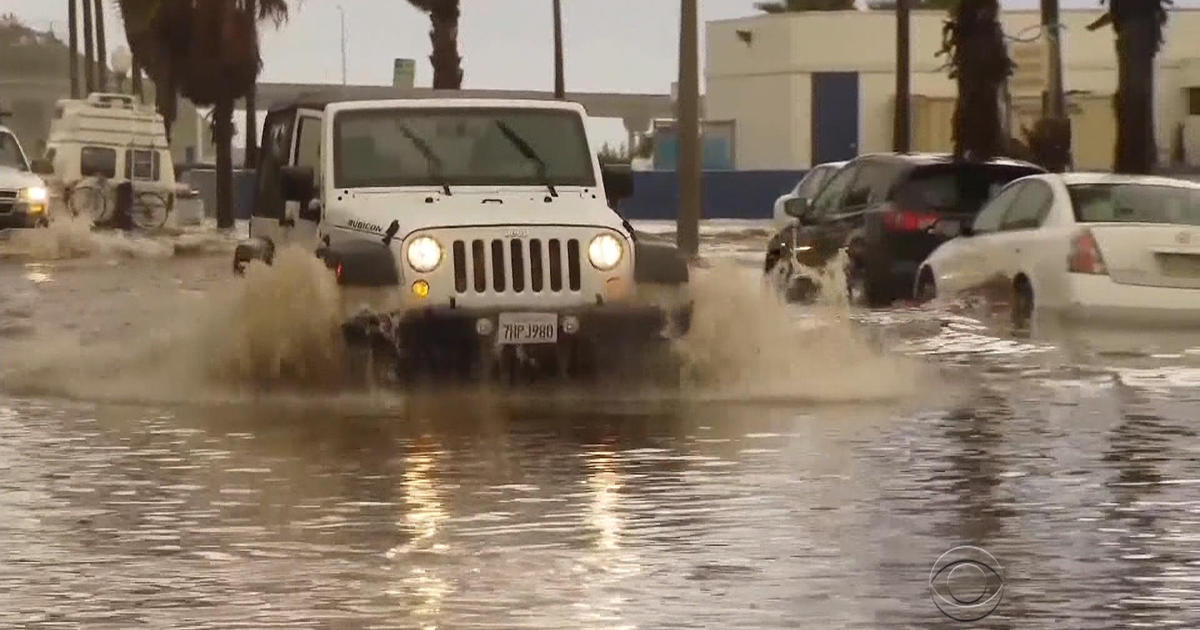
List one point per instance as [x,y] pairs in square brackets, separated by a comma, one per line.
[902,220]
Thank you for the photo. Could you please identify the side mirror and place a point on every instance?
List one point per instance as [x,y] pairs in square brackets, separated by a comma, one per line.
[298,184]
[618,181]
[797,208]
[42,166]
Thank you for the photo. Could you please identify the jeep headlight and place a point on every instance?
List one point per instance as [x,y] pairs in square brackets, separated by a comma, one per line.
[605,252]
[35,194]
[424,254]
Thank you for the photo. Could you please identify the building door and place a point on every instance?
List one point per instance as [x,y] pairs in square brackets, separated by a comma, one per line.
[834,116]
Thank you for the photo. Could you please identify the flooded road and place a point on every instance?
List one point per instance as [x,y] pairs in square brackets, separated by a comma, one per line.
[173,456]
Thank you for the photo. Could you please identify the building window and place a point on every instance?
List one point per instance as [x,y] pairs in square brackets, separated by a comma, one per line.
[1194,101]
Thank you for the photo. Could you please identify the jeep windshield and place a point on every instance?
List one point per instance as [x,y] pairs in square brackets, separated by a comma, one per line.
[388,148]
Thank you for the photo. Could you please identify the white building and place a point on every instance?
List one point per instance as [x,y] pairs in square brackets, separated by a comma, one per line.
[819,86]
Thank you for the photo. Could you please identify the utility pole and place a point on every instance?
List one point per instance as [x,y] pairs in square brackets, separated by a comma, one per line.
[343,12]
[73,26]
[560,90]
[902,123]
[89,53]
[688,124]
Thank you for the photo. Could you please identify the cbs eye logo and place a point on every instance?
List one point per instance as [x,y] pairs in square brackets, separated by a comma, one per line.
[966,583]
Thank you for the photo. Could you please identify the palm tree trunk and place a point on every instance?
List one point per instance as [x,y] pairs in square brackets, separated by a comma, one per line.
[223,136]
[136,72]
[73,26]
[101,48]
[447,64]
[166,101]
[251,158]
[690,165]
[1137,44]
[902,118]
[560,89]
[981,65]
[89,56]
[252,128]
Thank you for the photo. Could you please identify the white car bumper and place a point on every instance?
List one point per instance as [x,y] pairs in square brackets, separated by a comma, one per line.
[1096,297]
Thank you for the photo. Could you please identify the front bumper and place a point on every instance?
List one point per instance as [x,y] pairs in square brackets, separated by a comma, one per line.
[454,327]
[21,216]
[445,342]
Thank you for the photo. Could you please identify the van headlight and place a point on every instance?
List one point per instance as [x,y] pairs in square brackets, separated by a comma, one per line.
[605,252]
[34,194]
[424,254]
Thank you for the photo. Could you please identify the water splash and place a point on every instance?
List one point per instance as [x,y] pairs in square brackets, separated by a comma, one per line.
[746,341]
[276,329]
[69,238]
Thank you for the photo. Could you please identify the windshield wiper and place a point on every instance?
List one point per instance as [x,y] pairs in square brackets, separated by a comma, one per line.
[430,156]
[529,153]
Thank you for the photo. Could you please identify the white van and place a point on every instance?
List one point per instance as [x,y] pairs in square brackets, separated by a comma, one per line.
[104,140]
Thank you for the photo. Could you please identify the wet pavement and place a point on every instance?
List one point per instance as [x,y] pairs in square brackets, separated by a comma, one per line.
[170,457]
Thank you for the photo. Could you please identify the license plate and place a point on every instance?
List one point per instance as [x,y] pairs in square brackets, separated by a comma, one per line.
[526,328]
[1180,265]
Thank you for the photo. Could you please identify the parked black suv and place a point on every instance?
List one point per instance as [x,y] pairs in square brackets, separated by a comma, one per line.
[889,211]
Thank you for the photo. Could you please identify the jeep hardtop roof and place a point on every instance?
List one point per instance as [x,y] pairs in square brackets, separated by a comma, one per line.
[323,100]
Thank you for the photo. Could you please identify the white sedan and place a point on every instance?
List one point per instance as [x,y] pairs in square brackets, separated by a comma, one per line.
[807,187]
[1086,246]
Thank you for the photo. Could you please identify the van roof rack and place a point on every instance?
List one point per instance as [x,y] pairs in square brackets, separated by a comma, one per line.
[108,99]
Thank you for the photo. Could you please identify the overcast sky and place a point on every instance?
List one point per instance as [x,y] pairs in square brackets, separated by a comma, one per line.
[610,45]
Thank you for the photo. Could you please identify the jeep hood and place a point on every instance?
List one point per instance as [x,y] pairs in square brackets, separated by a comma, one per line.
[374,212]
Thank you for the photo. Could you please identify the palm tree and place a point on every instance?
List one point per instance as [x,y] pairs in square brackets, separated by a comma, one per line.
[221,64]
[101,48]
[73,26]
[447,64]
[979,62]
[157,32]
[1139,29]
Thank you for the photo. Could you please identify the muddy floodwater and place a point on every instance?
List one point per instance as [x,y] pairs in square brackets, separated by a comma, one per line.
[177,451]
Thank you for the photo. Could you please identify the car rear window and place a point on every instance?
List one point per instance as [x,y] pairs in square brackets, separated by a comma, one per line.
[957,188]
[1135,203]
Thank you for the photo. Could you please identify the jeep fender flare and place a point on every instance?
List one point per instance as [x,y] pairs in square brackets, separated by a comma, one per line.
[659,263]
[256,248]
[361,263]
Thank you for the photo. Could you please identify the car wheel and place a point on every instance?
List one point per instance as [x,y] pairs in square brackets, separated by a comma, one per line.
[862,289]
[1022,302]
[783,280]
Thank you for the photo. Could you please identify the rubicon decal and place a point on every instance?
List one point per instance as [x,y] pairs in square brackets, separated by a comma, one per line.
[355,224]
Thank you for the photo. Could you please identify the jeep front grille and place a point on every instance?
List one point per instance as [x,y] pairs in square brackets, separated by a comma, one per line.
[514,265]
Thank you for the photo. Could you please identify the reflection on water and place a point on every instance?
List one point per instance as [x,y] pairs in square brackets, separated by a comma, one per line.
[1072,460]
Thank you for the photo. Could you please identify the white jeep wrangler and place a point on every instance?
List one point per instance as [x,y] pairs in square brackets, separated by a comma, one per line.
[491,220]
